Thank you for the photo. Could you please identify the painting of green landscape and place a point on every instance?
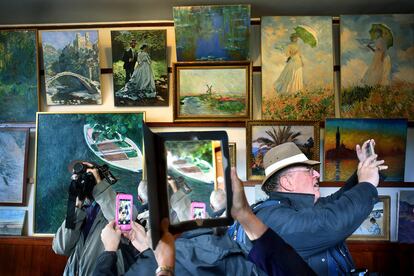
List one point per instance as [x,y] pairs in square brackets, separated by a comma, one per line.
[342,135]
[219,32]
[114,139]
[71,64]
[212,91]
[297,67]
[18,76]
[377,66]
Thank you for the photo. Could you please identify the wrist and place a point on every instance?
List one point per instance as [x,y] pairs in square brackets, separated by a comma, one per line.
[164,270]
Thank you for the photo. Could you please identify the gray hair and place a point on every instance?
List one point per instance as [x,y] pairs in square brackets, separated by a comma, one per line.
[143,190]
[218,199]
[273,182]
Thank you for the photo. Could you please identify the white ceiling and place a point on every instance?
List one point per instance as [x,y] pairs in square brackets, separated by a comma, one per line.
[81,11]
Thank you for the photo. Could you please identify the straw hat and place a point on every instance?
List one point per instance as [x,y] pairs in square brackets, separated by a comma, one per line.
[282,156]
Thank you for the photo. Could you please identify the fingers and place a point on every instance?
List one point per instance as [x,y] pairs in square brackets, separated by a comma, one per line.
[165,223]
[111,224]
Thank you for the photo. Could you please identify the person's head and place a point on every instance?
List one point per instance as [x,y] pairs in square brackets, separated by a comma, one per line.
[294,37]
[378,32]
[218,200]
[287,169]
[133,43]
[144,47]
[143,191]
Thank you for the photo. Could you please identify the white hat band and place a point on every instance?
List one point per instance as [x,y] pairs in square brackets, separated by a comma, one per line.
[287,161]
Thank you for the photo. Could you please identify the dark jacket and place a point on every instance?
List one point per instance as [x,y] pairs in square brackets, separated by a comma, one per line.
[129,65]
[318,231]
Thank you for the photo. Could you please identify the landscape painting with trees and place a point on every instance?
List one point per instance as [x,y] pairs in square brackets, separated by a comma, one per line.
[71,63]
[18,76]
[265,135]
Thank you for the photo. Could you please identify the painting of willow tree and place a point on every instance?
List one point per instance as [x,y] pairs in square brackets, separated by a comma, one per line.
[18,76]
[114,139]
[265,135]
[212,32]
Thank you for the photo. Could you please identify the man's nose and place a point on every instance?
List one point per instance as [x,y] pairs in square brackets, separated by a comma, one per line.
[316,174]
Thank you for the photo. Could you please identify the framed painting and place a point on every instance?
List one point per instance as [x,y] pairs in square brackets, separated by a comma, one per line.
[377,225]
[232,154]
[341,136]
[14,145]
[297,67]
[139,64]
[12,221]
[265,135]
[212,91]
[406,216]
[377,66]
[114,139]
[217,33]
[71,64]
[19,85]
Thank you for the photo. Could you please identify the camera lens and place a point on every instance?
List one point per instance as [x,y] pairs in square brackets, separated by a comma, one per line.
[78,168]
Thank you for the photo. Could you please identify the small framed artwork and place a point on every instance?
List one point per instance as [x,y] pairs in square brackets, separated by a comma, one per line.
[406,216]
[71,64]
[341,136]
[114,139]
[12,221]
[232,154]
[139,62]
[19,83]
[264,135]
[14,144]
[212,91]
[377,225]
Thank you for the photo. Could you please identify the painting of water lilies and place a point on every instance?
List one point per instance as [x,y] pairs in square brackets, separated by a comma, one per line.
[14,143]
[71,64]
[139,63]
[212,91]
[265,135]
[112,139]
[297,67]
[377,66]
[18,76]
[216,33]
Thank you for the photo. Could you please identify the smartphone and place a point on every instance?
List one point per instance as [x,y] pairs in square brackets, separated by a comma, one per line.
[370,149]
[123,214]
[198,210]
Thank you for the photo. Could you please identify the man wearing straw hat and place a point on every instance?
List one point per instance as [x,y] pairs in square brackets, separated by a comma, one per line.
[317,227]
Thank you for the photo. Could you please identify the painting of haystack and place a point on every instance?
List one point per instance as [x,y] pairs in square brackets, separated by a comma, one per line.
[297,67]
[377,66]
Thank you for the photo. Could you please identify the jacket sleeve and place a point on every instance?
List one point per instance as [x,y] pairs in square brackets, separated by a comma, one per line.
[106,264]
[349,184]
[146,264]
[274,256]
[313,230]
[65,239]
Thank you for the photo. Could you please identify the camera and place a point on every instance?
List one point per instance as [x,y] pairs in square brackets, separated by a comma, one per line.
[83,182]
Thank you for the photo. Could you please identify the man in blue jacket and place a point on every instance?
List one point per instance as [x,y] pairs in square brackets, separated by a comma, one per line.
[317,227]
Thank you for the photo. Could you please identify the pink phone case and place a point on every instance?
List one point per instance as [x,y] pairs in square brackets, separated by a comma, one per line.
[198,210]
[124,210]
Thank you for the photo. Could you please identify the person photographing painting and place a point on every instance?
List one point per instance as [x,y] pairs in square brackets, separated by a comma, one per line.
[91,204]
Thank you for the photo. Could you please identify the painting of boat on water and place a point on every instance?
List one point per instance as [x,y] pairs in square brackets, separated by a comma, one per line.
[341,136]
[215,33]
[12,221]
[219,91]
[114,139]
[71,63]
[14,143]
[195,167]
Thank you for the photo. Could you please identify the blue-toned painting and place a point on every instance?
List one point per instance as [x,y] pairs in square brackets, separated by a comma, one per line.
[18,76]
[14,144]
[377,66]
[341,136]
[406,217]
[11,221]
[297,67]
[71,63]
[114,139]
[212,32]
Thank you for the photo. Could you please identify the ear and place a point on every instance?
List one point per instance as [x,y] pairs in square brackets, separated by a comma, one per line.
[285,184]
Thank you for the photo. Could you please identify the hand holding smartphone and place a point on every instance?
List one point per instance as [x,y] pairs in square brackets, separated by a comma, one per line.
[370,149]
[123,214]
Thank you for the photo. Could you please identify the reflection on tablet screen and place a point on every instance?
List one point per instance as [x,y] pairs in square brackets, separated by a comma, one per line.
[195,176]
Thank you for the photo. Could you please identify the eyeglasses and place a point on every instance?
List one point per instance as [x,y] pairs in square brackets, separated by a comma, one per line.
[309,170]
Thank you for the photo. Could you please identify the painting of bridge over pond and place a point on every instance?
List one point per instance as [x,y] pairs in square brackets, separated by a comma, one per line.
[342,135]
[214,33]
[220,91]
[71,64]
